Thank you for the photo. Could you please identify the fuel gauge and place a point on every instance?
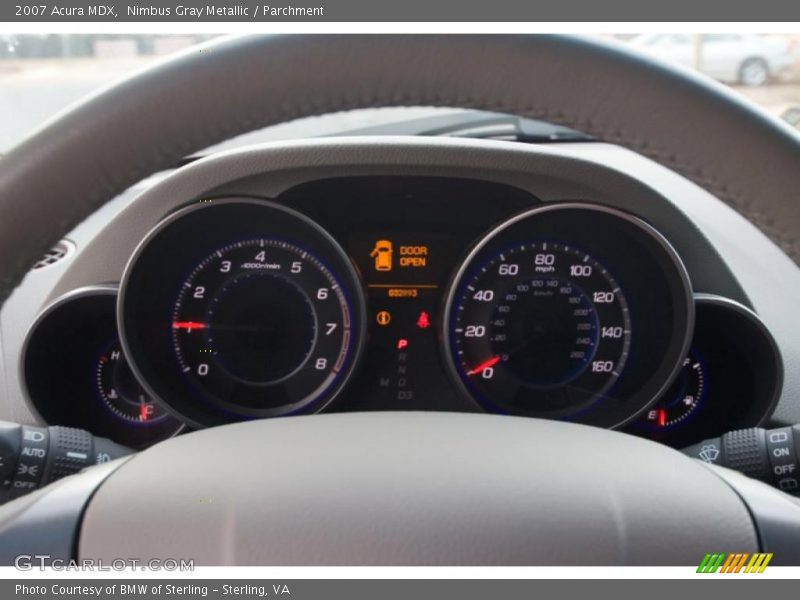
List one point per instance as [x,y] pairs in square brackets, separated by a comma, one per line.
[683,398]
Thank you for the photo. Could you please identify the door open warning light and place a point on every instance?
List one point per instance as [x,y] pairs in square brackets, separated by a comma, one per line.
[382,253]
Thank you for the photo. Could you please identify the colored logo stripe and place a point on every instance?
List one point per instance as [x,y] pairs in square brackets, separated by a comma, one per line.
[733,563]
[759,561]
[711,563]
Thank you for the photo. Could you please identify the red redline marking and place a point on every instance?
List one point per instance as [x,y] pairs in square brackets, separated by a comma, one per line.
[188,325]
[143,412]
[484,365]
[662,417]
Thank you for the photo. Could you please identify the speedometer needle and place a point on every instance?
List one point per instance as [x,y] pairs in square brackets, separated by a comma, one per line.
[188,325]
[484,365]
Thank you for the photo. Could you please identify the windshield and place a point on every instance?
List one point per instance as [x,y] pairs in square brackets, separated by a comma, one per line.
[40,75]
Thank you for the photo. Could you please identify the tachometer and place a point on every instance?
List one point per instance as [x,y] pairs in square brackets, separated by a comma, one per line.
[236,308]
[568,311]
[261,324]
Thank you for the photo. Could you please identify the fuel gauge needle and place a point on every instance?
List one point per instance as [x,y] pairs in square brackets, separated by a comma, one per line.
[484,365]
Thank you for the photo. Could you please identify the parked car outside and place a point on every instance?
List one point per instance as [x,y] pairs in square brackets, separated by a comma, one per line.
[746,59]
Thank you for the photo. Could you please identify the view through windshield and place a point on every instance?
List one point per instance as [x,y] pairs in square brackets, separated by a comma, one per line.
[42,74]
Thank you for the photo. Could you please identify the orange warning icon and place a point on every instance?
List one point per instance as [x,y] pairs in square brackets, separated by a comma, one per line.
[382,253]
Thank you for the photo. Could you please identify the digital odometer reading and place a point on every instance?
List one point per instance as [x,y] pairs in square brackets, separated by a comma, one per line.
[540,329]
[261,325]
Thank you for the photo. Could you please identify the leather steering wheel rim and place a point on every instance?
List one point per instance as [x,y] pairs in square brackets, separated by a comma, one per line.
[148,122]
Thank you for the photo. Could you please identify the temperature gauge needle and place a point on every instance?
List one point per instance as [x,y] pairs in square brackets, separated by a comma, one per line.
[188,325]
[484,365]
[143,411]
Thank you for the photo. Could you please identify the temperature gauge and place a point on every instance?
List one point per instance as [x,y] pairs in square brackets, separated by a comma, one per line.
[120,392]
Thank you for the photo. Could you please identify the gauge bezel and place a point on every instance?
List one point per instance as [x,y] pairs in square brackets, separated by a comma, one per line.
[211,413]
[682,331]
[752,319]
[76,295]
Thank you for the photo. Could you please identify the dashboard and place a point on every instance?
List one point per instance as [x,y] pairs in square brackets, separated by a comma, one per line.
[403,275]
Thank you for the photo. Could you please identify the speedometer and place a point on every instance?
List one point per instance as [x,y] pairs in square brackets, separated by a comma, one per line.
[569,311]
[542,328]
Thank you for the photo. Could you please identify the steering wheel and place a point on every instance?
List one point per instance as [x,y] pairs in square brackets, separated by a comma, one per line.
[401,488]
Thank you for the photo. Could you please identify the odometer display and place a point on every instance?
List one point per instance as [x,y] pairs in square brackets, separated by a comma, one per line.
[541,329]
[568,311]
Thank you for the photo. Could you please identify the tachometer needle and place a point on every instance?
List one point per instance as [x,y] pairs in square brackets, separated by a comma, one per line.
[484,365]
[188,325]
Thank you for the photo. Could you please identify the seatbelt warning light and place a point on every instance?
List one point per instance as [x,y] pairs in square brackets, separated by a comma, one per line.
[424,321]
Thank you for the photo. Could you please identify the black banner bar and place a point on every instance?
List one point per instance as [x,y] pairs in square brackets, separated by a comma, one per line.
[266,11]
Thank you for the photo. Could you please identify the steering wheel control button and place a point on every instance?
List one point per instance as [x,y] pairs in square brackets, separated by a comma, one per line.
[784,459]
[35,456]
[71,451]
[9,450]
[744,450]
[32,460]
[771,456]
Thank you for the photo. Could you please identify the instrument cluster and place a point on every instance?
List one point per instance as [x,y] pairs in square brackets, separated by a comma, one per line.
[401,293]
